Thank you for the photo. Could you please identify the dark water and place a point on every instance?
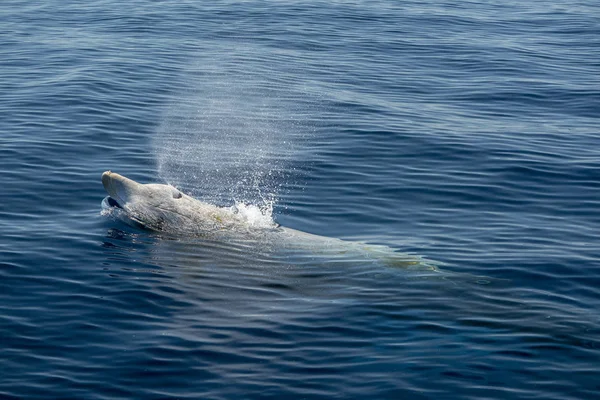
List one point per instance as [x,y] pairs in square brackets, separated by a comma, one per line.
[463,132]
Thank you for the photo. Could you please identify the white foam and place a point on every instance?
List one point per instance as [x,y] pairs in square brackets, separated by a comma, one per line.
[254,216]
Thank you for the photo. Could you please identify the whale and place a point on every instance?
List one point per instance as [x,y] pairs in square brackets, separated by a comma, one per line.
[164,208]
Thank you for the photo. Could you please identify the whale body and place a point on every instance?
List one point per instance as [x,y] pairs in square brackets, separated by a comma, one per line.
[164,208]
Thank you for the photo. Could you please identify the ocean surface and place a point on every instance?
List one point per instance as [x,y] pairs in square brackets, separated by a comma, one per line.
[460,135]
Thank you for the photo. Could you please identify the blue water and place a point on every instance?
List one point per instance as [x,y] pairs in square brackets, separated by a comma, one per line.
[464,133]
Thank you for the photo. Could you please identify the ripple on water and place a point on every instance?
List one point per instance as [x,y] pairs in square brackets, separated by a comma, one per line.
[464,133]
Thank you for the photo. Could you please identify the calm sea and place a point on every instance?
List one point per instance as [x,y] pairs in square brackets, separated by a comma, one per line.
[464,134]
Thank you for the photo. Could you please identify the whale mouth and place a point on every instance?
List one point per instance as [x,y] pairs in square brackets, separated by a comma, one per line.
[113,203]
[119,189]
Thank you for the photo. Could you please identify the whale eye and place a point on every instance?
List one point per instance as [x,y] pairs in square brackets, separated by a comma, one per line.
[177,194]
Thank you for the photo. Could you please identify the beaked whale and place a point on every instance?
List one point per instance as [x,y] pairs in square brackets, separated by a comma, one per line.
[164,208]
[161,207]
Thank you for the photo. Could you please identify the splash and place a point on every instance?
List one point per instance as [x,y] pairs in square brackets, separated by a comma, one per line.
[254,216]
[232,136]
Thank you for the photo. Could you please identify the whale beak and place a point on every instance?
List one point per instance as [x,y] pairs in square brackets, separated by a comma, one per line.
[119,188]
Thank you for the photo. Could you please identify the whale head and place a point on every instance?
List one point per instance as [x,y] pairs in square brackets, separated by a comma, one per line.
[164,208]
[125,192]
[151,205]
